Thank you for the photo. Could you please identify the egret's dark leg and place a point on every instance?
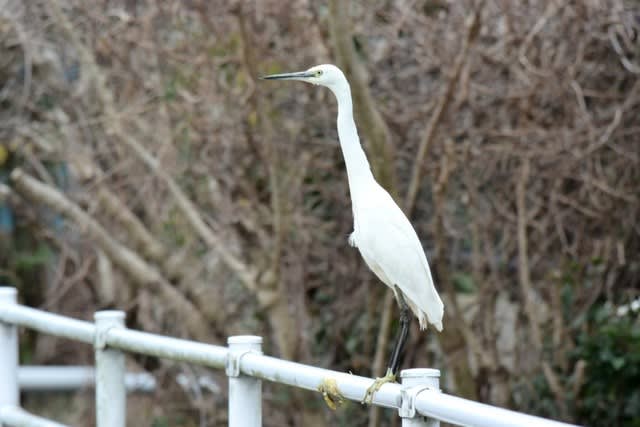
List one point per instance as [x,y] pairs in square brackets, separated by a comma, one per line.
[396,354]
[402,334]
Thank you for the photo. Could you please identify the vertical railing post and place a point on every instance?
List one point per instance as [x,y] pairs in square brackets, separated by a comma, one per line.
[9,392]
[111,403]
[245,393]
[415,381]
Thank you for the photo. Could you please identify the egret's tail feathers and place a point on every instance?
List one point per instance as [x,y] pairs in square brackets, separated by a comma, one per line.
[424,322]
[438,326]
[433,316]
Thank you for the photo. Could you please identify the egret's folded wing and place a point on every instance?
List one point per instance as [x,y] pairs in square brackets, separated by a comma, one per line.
[388,240]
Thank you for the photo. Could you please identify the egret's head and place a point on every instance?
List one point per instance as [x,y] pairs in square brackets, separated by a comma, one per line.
[326,75]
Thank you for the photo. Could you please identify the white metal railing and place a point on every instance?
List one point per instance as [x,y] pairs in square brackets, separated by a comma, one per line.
[418,399]
[69,378]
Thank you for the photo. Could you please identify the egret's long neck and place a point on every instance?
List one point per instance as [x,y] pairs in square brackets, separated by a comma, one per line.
[358,169]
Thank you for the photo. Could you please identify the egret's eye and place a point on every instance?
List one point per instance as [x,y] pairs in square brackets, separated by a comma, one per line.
[318,73]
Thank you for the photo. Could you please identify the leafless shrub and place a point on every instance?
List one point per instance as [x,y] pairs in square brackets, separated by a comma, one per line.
[150,118]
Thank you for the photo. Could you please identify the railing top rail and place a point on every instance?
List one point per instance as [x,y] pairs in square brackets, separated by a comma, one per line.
[48,323]
[124,339]
[166,347]
[428,402]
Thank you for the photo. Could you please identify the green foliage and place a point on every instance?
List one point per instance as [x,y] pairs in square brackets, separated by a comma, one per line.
[160,422]
[46,102]
[172,229]
[171,90]
[432,8]
[611,393]
[464,283]
[178,420]
[27,260]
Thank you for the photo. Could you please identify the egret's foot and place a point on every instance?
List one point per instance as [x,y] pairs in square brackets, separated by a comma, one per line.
[390,377]
[331,394]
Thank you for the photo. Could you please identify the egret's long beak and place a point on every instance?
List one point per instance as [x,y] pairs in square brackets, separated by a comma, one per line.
[300,75]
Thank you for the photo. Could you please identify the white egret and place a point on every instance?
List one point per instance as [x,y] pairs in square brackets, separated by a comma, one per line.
[381,231]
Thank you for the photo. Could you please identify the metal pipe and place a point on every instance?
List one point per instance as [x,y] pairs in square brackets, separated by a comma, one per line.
[13,416]
[47,323]
[168,348]
[70,378]
[456,410]
[245,392]
[352,387]
[430,403]
[9,392]
[124,339]
[111,404]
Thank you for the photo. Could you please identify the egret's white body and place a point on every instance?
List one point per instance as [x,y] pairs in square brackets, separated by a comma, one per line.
[390,247]
[382,233]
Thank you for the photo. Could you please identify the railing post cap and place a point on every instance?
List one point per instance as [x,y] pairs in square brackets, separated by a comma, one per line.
[239,345]
[420,373]
[414,382]
[117,315]
[244,339]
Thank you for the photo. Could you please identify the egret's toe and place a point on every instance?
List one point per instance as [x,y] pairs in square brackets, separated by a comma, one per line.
[390,377]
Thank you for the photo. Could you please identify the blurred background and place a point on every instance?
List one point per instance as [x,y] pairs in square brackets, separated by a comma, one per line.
[144,167]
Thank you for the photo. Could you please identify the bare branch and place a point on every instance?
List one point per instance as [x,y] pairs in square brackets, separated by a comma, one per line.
[523,255]
[140,272]
[473,25]
[116,129]
[113,206]
[376,132]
